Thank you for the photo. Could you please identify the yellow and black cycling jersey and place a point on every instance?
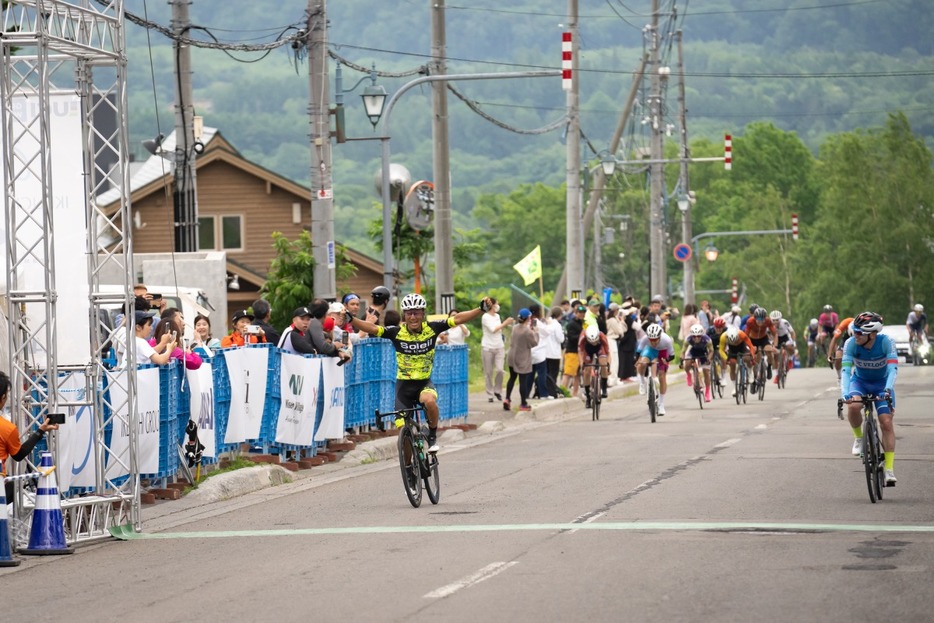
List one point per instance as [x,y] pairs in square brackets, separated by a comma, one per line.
[415,352]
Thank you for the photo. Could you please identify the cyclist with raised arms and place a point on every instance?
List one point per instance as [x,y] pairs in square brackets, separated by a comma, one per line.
[870,365]
[593,348]
[414,342]
[656,344]
[735,344]
[697,348]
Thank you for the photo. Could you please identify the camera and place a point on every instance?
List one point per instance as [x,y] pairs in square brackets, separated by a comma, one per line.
[252,329]
[56,418]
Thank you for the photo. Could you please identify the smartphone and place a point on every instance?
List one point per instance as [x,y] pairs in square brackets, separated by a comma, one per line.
[175,336]
[155,297]
[56,418]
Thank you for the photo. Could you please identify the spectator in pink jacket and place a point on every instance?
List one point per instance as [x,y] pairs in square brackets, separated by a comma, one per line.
[169,325]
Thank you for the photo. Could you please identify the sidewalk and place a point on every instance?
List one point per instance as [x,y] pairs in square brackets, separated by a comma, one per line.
[484,420]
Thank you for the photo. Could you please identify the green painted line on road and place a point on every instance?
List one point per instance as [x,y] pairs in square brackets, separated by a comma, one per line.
[631,526]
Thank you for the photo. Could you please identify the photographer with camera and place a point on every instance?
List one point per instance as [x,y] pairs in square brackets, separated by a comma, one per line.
[244,331]
[10,445]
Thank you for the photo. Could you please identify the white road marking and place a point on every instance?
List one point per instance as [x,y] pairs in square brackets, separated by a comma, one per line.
[728,443]
[485,573]
[580,520]
[761,427]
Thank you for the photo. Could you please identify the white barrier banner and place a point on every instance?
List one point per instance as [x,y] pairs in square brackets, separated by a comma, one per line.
[298,383]
[76,465]
[147,400]
[247,369]
[332,420]
[201,397]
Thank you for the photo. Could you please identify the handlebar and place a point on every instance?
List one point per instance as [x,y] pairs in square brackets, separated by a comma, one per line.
[411,411]
[868,399]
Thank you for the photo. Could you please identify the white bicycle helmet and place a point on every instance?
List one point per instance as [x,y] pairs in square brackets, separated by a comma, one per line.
[919,308]
[775,316]
[413,301]
[812,323]
[654,331]
[867,322]
[732,335]
[697,330]
[593,334]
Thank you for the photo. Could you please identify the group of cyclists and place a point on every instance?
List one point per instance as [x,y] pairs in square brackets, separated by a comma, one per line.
[867,359]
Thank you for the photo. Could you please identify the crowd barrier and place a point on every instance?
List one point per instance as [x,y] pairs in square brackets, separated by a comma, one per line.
[216,402]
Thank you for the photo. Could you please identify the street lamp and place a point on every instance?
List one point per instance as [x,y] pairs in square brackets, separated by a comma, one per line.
[683,204]
[374,98]
[711,253]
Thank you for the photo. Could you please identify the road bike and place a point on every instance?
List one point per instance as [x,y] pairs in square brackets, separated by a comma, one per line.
[695,370]
[416,463]
[760,374]
[872,453]
[742,380]
[716,375]
[653,391]
[782,371]
[596,397]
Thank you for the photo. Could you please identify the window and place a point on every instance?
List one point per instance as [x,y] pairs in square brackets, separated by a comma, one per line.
[206,233]
[226,229]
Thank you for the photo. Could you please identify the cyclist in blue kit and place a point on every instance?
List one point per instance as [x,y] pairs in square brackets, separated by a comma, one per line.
[870,365]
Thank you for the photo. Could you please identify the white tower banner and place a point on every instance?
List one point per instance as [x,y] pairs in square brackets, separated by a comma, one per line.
[246,368]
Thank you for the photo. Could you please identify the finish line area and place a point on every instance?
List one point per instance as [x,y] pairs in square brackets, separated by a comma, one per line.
[126,532]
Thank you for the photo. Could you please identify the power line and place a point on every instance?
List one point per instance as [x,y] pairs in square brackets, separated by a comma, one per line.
[836,5]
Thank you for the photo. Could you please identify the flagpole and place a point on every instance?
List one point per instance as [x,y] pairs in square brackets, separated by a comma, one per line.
[541,290]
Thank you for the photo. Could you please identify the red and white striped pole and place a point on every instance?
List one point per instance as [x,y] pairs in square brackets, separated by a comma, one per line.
[566,61]
[728,152]
[734,295]
[794,226]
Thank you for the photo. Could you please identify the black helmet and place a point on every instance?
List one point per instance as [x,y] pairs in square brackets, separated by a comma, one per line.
[380,295]
[753,308]
[760,313]
[868,322]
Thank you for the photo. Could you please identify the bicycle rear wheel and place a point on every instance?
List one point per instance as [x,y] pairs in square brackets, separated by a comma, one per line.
[408,464]
[870,459]
[432,478]
[745,388]
[716,377]
[740,382]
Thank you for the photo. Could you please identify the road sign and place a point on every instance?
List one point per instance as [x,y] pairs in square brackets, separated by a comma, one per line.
[682,252]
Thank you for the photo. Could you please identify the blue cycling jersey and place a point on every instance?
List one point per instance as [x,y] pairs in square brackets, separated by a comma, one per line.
[876,364]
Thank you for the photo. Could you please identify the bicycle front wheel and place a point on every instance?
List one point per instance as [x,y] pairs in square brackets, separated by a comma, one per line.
[653,400]
[432,478]
[595,396]
[408,463]
[870,459]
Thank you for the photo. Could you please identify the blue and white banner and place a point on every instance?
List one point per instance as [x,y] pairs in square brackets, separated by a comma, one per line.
[332,420]
[147,401]
[247,369]
[298,387]
[201,382]
[77,466]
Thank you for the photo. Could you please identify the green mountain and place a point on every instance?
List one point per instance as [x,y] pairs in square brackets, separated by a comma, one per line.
[812,70]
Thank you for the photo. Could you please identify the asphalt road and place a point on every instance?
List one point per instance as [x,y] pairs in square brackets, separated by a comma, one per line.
[730,513]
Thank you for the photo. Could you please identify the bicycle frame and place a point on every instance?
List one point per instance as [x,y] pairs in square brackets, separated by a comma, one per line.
[413,440]
[872,451]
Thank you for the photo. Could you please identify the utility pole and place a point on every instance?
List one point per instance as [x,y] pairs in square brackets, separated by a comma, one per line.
[184,195]
[322,195]
[441,165]
[574,232]
[599,179]
[684,187]
[656,170]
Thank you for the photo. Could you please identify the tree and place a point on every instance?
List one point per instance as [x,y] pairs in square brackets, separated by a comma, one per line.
[290,283]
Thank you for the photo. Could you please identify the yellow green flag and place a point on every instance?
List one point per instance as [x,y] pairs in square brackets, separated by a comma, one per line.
[530,267]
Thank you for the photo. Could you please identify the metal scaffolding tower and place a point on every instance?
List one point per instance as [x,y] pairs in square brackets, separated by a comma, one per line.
[50,47]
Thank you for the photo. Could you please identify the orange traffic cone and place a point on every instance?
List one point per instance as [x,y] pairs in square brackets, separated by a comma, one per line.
[47,535]
[6,550]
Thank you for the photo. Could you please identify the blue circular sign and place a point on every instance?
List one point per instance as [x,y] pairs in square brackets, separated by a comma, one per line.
[682,252]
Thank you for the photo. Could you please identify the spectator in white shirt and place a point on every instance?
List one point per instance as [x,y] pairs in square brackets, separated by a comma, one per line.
[493,351]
